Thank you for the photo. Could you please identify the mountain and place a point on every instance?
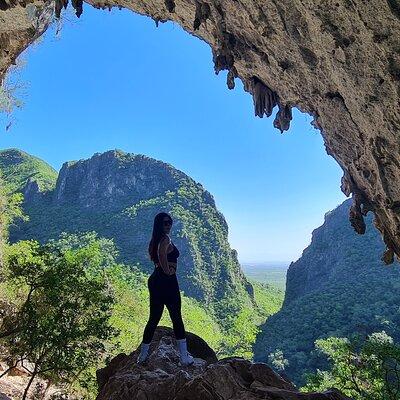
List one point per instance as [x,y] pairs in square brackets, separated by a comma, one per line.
[117,194]
[339,286]
[18,168]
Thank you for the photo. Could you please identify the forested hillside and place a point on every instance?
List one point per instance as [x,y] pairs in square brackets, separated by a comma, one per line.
[338,287]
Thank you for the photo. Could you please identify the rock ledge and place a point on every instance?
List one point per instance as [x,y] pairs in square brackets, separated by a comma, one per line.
[160,377]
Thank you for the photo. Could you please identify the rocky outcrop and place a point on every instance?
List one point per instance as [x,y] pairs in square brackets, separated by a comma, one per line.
[114,178]
[337,60]
[21,23]
[160,377]
[336,255]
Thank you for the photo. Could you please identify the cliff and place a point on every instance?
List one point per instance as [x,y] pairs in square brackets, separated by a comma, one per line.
[338,287]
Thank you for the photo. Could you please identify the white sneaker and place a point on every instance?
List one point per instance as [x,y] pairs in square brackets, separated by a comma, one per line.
[185,357]
[144,352]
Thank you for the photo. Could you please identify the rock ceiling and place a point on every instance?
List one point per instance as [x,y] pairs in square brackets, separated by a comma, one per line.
[338,60]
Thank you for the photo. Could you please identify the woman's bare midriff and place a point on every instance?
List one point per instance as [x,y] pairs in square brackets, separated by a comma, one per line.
[170,264]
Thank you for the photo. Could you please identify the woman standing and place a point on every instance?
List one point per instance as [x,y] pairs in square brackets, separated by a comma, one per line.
[164,289]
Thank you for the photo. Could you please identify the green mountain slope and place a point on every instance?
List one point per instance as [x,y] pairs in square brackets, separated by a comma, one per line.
[18,168]
[117,195]
[338,286]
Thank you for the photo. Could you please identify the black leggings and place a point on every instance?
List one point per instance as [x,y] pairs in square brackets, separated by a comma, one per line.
[163,289]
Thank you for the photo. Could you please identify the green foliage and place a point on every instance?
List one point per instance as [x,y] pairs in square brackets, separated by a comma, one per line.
[10,210]
[62,305]
[268,298]
[8,99]
[337,288]
[337,311]
[364,369]
[277,360]
[241,335]
[106,254]
[17,167]
[10,207]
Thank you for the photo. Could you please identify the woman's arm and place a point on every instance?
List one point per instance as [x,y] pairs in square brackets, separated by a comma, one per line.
[162,255]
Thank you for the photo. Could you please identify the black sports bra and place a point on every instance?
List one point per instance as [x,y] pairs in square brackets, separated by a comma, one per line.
[172,256]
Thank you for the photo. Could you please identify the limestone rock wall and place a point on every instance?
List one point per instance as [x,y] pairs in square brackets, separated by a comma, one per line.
[338,60]
[21,23]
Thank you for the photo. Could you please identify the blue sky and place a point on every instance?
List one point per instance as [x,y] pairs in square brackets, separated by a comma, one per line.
[112,80]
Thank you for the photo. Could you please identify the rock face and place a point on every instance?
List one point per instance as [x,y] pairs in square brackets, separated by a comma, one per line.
[338,287]
[160,377]
[115,178]
[21,23]
[336,60]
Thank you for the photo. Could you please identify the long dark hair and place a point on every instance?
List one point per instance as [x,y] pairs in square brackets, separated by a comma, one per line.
[158,233]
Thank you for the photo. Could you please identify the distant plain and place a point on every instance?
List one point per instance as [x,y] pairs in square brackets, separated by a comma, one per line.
[272,273]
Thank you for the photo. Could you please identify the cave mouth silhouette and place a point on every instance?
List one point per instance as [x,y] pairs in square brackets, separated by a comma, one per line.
[301,131]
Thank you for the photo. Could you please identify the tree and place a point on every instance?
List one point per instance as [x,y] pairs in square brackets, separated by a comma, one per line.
[62,305]
[364,369]
[277,360]
[10,209]
[242,334]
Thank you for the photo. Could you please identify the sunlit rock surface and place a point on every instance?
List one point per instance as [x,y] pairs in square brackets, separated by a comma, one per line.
[20,24]
[13,384]
[160,377]
[337,60]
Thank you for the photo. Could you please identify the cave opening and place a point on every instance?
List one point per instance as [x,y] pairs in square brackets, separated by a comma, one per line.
[115,80]
[141,67]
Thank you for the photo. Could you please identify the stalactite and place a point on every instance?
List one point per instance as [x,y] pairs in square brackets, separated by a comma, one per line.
[283,117]
[58,5]
[170,5]
[230,79]
[3,5]
[78,6]
[203,12]
[223,61]
[355,216]
[264,98]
